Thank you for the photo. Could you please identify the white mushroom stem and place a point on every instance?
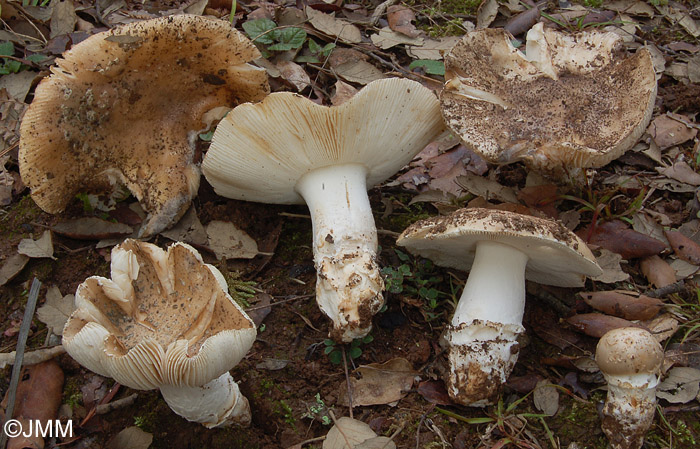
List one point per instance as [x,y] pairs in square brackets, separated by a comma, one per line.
[349,285]
[629,409]
[216,403]
[482,337]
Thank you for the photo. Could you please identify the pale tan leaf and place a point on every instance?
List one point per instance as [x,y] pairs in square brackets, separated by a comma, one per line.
[683,269]
[294,74]
[400,19]
[189,229]
[432,49]
[359,71]
[377,443]
[669,129]
[56,310]
[343,92]
[486,14]
[381,383]
[657,271]
[610,263]
[326,23]
[681,171]
[386,38]
[19,84]
[546,397]
[229,242]
[42,247]
[12,267]
[681,386]
[347,433]
[480,186]
[63,17]
[662,327]
[131,438]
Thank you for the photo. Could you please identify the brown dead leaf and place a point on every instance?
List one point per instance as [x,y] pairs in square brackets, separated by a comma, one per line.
[189,229]
[480,186]
[623,304]
[131,438]
[545,322]
[63,18]
[42,247]
[486,14]
[434,391]
[400,18]
[657,271]
[631,7]
[386,38]
[432,49]
[685,248]
[617,237]
[229,242]
[669,130]
[681,386]
[343,92]
[597,324]
[610,262]
[294,74]
[381,383]
[92,228]
[676,13]
[546,397]
[56,310]
[359,71]
[326,23]
[662,326]
[348,433]
[681,171]
[12,267]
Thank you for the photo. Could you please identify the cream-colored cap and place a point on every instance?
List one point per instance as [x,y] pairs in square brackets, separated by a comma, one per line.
[125,107]
[629,351]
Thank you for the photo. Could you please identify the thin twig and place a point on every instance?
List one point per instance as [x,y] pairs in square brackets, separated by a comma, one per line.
[666,290]
[279,302]
[347,379]
[19,357]
[102,409]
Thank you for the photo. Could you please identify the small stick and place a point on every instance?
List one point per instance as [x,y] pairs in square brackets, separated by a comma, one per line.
[108,397]
[33,357]
[19,354]
[102,409]
[279,302]
[666,290]
[347,379]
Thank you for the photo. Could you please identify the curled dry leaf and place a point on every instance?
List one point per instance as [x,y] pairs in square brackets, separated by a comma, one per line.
[326,23]
[42,247]
[681,386]
[189,229]
[610,264]
[12,267]
[400,18]
[386,38]
[229,242]
[294,74]
[434,391]
[131,438]
[348,433]
[343,92]
[597,324]
[657,271]
[685,248]
[486,14]
[56,310]
[625,305]
[92,228]
[381,383]
[681,171]
[662,327]
[617,237]
[546,397]
[669,130]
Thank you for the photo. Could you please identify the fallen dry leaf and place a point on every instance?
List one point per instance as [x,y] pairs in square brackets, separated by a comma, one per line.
[381,383]
[294,74]
[229,242]
[56,310]
[617,237]
[546,397]
[685,248]
[681,386]
[632,7]
[683,269]
[675,13]
[486,14]
[480,186]
[432,49]
[326,23]
[681,171]
[359,71]
[662,327]
[189,229]
[348,433]
[12,267]
[63,18]
[609,262]
[400,19]
[343,92]
[386,38]
[623,304]
[598,324]
[91,228]
[40,248]
[131,438]
[657,271]
[434,391]
[669,130]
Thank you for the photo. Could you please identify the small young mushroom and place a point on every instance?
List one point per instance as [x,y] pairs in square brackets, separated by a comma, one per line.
[569,102]
[630,359]
[287,149]
[500,249]
[164,320]
[125,107]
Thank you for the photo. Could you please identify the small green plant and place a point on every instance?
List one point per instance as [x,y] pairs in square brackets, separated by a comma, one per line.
[140,421]
[74,399]
[354,350]
[9,65]
[267,36]
[318,411]
[316,53]
[241,291]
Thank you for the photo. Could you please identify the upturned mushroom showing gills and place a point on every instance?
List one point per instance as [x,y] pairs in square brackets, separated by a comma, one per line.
[569,102]
[500,250]
[630,359]
[166,321]
[287,149]
[124,107]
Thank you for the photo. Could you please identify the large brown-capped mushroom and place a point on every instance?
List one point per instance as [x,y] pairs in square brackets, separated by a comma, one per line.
[288,150]
[164,320]
[500,250]
[125,106]
[630,359]
[569,102]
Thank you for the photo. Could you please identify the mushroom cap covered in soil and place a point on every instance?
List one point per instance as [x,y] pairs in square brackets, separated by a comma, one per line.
[572,101]
[556,256]
[164,320]
[125,106]
[260,151]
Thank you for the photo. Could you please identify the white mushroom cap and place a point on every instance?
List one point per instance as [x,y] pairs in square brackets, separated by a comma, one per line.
[260,151]
[176,326]
[572,101]
[125,106]
[556,256]
[628,355]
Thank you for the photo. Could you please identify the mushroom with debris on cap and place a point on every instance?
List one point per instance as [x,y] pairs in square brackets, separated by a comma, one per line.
[164,320]
[288,150]
[500,249]
[569,102]
[125,107]
[630,359]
